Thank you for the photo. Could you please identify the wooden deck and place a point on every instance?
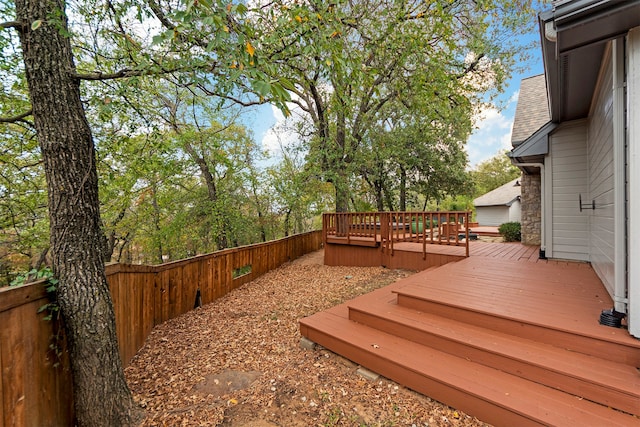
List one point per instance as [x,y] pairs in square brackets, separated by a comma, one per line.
[502,335]
[513,251]
[409,255]
[485,231]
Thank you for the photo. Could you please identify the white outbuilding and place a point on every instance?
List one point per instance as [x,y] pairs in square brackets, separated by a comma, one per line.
[500,205]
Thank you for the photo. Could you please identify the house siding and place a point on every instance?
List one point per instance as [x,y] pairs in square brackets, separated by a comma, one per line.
[601,178]
[492,215]
[633,189]
[515,212]
[569,174]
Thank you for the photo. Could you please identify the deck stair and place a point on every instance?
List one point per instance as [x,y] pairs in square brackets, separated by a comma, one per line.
[511,366]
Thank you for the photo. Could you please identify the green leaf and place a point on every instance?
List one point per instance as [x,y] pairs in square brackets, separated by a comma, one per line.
[36,24]
[261,87]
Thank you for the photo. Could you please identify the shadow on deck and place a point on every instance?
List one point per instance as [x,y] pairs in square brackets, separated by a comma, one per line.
[501,335]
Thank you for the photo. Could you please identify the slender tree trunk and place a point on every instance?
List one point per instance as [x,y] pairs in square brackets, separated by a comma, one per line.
[403,189]
[212,191]
[101,395]
[389,198]
[42,259]
[263,231]
[341,182]
[125,243]
[379,182]
[287,223]
[261,220]
[156,224]
[113,238]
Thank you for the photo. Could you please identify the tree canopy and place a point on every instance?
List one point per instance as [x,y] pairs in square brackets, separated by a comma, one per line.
[427,66]
[493,173]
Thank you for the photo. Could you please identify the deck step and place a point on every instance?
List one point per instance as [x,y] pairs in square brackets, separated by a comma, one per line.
[355,241]
[455,299]
[510,342]
[494,396]
[609,383]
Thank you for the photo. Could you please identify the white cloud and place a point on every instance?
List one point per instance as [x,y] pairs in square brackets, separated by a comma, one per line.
[492,134]
[283,133]
[277,135]
[514,98]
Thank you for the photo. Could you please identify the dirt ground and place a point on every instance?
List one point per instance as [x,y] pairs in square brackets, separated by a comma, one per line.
[237,362]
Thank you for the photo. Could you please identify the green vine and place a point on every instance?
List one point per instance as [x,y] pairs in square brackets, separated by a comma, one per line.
[31,276]
[51,308]
[53,315]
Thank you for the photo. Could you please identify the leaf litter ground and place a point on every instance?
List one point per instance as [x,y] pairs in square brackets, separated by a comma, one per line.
[237,361]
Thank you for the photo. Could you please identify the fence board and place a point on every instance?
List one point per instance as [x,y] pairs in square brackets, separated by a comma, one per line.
[2,392]
[13,373]
[34,393]
[190,278]
[54,386]
[148,305]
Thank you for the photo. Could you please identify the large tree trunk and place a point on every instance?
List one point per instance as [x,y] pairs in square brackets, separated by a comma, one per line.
[101,395]
[341,184]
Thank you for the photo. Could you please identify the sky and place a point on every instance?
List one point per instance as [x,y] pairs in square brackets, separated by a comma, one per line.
[493,127]
[493,130]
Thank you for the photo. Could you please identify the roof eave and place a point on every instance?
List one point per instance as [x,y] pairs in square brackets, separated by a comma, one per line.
[533,149]
[574,36]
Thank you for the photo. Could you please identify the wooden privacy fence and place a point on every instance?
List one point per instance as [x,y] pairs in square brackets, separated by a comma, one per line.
[383,229]
[35,393]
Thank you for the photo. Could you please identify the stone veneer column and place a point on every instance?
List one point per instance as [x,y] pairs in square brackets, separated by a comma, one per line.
[531,209]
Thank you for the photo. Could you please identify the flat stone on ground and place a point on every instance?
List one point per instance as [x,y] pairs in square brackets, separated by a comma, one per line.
[226,382]
[307,344]
[367,374]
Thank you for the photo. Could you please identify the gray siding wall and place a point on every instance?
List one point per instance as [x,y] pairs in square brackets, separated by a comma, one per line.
[492,215]
[570,227]
[601,178]
[515,212]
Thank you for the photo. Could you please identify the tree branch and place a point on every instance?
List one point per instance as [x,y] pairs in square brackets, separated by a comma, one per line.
[166,22]
[159,13]
[232,98]
[11,24]
[18,118]
[127,72]
[471,67]
[99,75]
[208,67]
[241,102]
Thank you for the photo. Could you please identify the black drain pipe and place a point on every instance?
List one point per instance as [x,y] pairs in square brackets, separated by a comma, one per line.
[612,318]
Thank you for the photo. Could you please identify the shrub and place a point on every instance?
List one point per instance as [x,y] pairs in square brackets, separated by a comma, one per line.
[510,231]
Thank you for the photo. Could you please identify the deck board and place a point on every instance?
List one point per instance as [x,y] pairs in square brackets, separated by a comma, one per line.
[512,250]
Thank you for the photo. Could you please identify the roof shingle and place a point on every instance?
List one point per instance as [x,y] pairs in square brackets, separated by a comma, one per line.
[532,111]
[504,195]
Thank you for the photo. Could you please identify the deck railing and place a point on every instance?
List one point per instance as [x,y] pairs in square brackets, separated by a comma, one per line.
[383,229]
[34,392]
